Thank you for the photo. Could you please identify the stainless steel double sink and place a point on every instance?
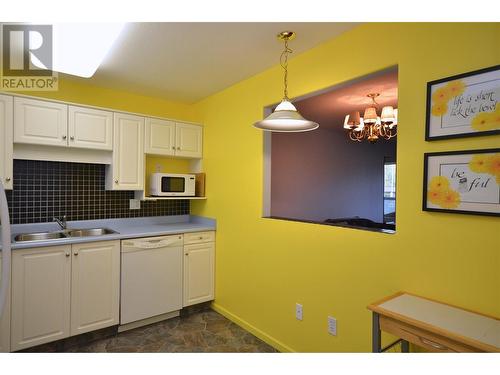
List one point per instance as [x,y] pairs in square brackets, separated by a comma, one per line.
[67,233]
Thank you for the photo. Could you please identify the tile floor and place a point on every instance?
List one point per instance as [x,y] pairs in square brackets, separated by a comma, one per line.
[198,332]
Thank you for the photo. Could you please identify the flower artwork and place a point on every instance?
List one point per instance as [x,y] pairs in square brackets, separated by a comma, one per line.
[443,95]
[463,182]
[487,120]
[441,194]
[464,105]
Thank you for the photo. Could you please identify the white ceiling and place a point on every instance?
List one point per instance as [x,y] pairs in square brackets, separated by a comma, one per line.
[190,61]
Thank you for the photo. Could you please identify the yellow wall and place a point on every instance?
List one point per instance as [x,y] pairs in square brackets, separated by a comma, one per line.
[265,266]
[77,91]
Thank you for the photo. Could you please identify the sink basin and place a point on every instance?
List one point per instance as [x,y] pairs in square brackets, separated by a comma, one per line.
[89,232]
[42,236]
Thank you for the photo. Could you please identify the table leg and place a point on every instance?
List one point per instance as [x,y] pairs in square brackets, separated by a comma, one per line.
[405,346]
[376,338]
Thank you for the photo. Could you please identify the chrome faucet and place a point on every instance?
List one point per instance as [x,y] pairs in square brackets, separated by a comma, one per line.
[62,223]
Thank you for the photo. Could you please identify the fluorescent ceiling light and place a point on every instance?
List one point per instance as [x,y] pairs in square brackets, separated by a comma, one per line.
[80,48]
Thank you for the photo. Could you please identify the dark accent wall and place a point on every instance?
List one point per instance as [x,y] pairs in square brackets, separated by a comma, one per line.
[46,189]
[321,175]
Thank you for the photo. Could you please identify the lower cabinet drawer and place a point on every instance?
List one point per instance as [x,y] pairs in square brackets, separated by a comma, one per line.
[199,237]
[420,337]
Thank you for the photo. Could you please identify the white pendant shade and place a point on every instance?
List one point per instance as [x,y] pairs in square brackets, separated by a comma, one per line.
[286,118]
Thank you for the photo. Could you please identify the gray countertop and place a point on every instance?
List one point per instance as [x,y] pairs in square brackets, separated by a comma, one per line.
[126,228]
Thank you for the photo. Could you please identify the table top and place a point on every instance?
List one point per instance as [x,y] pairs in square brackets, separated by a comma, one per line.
[466,326]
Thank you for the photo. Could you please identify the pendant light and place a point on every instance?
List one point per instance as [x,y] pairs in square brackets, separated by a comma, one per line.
[285,117]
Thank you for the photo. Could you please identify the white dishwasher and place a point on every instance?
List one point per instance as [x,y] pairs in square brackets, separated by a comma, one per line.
[151,277]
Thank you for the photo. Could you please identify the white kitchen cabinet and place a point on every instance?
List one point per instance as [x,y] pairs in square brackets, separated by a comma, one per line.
[62,291]
[90,128]
[6,139]
[188,140]
[199,272]
[127,169]
[173,138]
[95,286]
[40,122]
[41,279]
[5,322]
[159,138]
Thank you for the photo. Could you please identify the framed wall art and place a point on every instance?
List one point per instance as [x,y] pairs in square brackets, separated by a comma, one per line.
[465,182]
[464,105]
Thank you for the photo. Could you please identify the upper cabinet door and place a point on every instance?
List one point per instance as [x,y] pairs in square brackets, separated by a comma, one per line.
[188,140]
[159,137]
[6,130]
[128,152]
[95,286]
[90,128]
[40,122]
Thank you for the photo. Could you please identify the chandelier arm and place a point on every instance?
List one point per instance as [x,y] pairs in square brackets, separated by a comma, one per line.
[352,136]
[383,131]
[361,135]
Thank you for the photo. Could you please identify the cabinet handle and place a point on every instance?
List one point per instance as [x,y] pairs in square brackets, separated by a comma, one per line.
[7,179]
[200,238]
[186,254]
[67,254]
[173,147]
[72,138]
[75,253]
[178,148]
[116,181]
[64,137]
[433,344]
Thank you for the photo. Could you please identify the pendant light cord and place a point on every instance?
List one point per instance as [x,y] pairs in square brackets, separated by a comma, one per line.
[284,65]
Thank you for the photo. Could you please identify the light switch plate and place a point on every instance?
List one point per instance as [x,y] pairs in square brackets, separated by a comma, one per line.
[135,204]
[332,326]
[298,311]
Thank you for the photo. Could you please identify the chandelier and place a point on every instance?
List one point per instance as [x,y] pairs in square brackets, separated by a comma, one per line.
[371,126]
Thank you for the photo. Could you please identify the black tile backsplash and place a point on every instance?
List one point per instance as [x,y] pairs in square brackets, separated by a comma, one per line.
[46,189]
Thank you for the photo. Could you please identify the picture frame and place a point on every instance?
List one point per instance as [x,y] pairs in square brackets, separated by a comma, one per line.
[462,182]
[464,105]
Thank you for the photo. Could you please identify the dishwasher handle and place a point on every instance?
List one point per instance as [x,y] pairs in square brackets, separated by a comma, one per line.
[150,243]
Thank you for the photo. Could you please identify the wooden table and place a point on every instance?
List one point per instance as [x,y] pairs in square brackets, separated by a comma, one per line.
[433,325]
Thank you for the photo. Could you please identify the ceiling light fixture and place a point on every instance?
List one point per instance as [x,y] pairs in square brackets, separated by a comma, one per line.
[371,126]
[285,117]
[80,48]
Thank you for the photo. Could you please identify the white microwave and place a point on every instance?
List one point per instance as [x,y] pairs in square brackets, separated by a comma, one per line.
[172,185]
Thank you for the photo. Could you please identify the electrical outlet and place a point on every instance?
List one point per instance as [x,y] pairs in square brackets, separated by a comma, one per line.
[135,204]
[298,311]
[332,326]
